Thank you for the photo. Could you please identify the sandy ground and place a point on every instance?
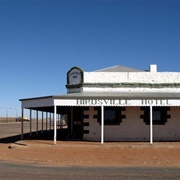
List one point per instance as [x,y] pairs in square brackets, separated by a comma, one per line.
[76,153]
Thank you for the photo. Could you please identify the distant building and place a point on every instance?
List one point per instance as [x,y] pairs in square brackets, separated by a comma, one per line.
[117,104]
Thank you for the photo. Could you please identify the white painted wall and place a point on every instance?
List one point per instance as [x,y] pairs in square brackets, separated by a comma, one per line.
[128,77]
[131,77]
[171,130]
[94,127]
[133,128]
[128,89]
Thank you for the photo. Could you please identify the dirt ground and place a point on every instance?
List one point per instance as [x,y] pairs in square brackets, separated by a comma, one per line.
[77,153]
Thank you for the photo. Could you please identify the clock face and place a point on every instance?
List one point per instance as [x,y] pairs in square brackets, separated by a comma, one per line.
[75,76]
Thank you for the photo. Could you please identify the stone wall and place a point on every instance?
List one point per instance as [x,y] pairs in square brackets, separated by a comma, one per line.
[133,128]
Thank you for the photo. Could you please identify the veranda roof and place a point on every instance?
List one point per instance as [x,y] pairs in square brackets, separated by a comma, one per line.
[105,99]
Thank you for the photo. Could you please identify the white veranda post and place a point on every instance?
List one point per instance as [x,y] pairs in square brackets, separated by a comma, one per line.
[55,130]
[151,124]
[22,124]
[102,124]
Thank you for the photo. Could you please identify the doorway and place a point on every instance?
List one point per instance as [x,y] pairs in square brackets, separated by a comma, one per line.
[77,123]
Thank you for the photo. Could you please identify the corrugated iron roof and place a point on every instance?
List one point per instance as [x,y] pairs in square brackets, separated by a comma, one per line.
[131,95]
[119,68]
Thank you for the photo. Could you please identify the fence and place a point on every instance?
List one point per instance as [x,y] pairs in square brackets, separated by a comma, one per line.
[7,119]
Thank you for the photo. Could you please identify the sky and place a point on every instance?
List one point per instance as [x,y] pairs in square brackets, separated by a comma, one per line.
[40,40]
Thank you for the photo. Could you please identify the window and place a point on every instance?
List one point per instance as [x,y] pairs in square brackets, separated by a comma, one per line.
[159,115]
[156,115]
[112,115]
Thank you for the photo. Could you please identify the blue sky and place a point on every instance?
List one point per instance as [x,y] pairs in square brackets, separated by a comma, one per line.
[40,40]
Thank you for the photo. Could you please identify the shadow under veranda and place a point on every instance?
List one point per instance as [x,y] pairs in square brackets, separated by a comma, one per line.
[62,134]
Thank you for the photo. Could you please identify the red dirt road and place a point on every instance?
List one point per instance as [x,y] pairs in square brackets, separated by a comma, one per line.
[72,153]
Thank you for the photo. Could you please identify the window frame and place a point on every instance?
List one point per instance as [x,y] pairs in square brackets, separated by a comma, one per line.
[118,115]
[163,115]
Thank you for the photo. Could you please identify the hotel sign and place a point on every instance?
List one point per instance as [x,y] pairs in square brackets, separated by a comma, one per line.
[123,102]
[75,76]
[117,102]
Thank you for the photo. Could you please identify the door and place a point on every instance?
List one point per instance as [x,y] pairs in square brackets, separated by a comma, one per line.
[77,122]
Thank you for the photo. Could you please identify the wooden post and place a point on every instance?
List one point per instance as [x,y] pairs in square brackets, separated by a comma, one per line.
[42,123]
[30,116]
[36,122]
